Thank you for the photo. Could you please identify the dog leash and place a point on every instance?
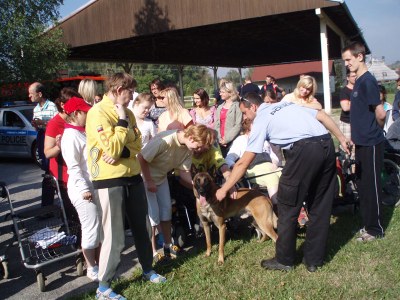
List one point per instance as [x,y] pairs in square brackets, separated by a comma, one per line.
[256,176]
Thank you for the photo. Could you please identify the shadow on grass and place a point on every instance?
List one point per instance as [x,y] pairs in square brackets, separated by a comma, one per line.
[346,226]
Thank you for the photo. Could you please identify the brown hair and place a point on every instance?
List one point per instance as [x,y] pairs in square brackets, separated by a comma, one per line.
[144,97]
[65,94]
[355,49]
[123,80]
[246,125]
[201,134]
[203,96]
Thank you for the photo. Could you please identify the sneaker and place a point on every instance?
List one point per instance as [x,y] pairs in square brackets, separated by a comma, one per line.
[93,273]
[108,294]
[172,251]
[361,232]
[153,277]
[366,237]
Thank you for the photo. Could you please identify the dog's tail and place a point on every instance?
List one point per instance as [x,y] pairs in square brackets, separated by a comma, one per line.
[274,220]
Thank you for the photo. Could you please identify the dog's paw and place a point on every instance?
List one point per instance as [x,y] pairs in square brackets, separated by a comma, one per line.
[220,261]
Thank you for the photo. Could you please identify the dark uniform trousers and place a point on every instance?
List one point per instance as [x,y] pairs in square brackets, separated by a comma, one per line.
[369,161]
[308,176]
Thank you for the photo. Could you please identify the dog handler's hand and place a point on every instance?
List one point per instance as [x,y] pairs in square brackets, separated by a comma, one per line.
[220,194]
[233,193]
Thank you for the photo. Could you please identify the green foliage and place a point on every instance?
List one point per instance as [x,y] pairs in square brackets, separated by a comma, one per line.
[194,77]
[27,52]
[234,76]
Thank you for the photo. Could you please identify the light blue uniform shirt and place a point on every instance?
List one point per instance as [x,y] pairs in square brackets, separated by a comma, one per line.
[282,124]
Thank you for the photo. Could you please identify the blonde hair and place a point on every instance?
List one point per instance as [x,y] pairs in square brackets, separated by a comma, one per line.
[230,88]
[144,97]
[201,134]
[88,90]
[307,82]
[175,107]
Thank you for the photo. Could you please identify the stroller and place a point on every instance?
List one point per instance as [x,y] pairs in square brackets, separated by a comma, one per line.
[346,194]
[184,221]
[4,271]
[44,235]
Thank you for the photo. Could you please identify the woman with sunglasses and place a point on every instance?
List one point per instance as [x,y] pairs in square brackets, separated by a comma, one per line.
[175,116]
[156,86]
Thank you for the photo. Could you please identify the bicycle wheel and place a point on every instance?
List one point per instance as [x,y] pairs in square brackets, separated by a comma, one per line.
[391,179]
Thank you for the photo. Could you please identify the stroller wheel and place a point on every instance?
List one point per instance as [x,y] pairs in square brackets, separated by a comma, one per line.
[40,281]
[79,266]
[179,236]
[5,272]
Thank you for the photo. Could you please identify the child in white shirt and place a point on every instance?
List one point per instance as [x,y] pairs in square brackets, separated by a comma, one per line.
[80,188]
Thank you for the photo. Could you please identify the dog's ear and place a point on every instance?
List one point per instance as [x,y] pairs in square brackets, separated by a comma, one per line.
[193,170]
[212,171]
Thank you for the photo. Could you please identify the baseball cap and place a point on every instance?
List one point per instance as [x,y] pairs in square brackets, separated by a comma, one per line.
[74,104]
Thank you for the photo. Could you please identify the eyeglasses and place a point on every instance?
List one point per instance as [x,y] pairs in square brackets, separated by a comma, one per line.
[161,97]
[243,99]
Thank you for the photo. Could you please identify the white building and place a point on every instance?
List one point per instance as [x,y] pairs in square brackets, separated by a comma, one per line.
[381,71]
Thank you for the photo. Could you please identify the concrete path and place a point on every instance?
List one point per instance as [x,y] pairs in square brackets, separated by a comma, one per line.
[23,179]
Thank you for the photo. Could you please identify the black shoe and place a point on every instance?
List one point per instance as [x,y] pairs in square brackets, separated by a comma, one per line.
[310,268]
[273,264]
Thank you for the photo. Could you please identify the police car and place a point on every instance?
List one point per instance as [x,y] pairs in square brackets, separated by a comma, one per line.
[17,135]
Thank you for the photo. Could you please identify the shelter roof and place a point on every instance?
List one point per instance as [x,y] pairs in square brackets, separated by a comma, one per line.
[230,33]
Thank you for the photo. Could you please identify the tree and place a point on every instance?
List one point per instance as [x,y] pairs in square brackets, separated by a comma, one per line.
[27,51]
[233,76]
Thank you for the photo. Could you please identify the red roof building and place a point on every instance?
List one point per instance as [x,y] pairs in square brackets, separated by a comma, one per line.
[287,75]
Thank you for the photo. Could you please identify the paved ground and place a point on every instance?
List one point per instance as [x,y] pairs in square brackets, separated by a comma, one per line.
[23,179]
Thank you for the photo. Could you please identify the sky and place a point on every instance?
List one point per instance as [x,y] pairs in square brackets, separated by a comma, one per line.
[378,20]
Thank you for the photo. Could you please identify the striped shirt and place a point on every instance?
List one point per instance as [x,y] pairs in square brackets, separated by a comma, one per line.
[45,112]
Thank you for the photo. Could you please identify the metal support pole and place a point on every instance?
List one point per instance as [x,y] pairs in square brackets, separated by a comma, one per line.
[180,74]
[215,71]
[325,62]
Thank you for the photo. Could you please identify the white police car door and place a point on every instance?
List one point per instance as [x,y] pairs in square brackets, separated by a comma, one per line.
[13,135]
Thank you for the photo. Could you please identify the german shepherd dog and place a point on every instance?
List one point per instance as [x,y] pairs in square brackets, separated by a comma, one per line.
[209,209]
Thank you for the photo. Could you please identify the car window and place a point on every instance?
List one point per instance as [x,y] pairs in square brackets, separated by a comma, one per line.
[11,119]
[28,113]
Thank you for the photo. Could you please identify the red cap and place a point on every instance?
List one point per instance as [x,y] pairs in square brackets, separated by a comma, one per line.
[74,104]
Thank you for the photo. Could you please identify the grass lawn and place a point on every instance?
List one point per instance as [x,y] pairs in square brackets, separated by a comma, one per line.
[353,270]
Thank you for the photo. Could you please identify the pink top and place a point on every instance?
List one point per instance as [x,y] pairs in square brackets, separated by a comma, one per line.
[208,121]
[222,118]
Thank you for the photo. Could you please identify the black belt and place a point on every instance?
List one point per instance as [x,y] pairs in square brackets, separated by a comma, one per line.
[323,137]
